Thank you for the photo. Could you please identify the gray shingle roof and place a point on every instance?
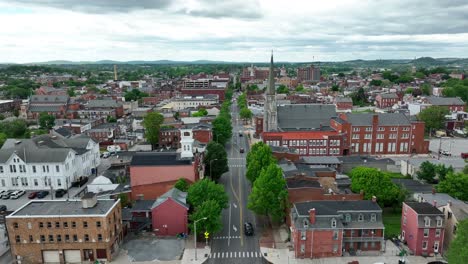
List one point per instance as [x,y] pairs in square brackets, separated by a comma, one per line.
[103,104]
[304,116]
[44,108]
[335,207]
[435,100]
[174,193]
[49,99]
[424,208]
[389,96]
[388,119]
[343,100]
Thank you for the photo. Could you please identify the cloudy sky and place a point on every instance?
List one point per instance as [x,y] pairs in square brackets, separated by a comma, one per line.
[231,30]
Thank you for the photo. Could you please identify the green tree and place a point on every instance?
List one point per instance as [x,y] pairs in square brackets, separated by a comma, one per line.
[300,88]
[134,95]
[205,190]
[201,112]
[409,91]
[152,124]
[389,76]
[182,185]
[376,83]
[282,89]
[46,121]
[111,119]
[260,156]
[465,169]
[427,172]
[269,194]
[222,129]
[426,89]
[433,117]
[335,88]
[245,113]
[375,183]
[419,75]
[103,91]
[252,88]
[341,75]
[14,129]
[211,210]
[458,251]
[443,171]
[124,201]
[215,160]
[455,184]
[71,92]
[3,138]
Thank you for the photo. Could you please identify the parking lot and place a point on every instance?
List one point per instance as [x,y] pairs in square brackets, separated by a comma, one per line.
[150,248]
[453,145]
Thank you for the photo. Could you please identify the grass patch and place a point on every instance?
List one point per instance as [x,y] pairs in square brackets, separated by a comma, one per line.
[397,175]
[392,222]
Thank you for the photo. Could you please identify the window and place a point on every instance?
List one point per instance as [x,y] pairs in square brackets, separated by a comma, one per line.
[1,169]
[75,238]
[405,128]
[368,129]
[14,181]
[368,136]
[393,129]
[303,235]
[67,238]
[449,215]
[85,224]
[42,238]
[59,238]
[454,230]
[51,238]
[348,218]
[306,224]
[57,224]
[373,217]
[405,135]
[86,237]
[65,224]
[15,225]
[34,168]
[59,182]
[12,168]
[381,129]
[22,168]
[427,221]
[36,182]
[41,224]
[355,136]
[361,217]
[404,220]
[335,248]
[392,136]
[335,235]
[18,239]
[73,224]
[98,224]
[31,239]
[436,246]
[380,136]
[99,237]
[439,222]
[424,245]
[333,223]
[24,181]
[426,232]
[49,224]
[437,233]
[356,129]
[57,168]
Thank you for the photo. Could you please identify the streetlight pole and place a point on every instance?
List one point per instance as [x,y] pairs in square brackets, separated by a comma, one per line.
[195,233]
[211,176]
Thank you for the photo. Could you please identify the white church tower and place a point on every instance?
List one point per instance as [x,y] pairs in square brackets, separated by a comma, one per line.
[186,143]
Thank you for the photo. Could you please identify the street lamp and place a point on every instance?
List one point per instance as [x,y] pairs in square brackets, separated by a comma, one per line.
[211,176]
[195,235]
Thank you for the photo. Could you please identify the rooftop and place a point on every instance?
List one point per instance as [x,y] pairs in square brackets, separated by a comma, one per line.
[63,208]
[424,208]
[335,207]
[174,193]
[158,159]
[304,116]
[435,100]
[300,182]
[387,119]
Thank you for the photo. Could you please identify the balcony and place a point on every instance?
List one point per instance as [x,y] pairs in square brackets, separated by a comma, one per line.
[362,239]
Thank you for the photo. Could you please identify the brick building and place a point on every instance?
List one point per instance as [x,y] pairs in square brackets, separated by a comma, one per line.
[386,100]
[343,103]
[99,108]
[309,73]
[329,228]
[454,104]
[170,213]
[69,231]
[422,228]
[55,105]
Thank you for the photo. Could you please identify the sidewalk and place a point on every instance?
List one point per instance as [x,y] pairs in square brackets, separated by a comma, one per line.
[203,252]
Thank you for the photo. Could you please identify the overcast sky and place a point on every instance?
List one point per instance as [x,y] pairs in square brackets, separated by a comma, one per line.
[231,30]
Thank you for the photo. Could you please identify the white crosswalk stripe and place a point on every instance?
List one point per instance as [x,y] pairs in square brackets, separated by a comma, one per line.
[226,237]
[236,254]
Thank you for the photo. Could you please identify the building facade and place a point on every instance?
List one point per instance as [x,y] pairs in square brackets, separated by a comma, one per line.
[170,213]
[62,231]
[422,228]
[308,74]
[386,100]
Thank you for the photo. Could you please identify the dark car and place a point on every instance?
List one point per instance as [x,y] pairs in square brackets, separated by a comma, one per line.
[60,193]
[241,135]
[3,208]
[241,150]
[33,195]
[248,229]
[42,194]
[7,194]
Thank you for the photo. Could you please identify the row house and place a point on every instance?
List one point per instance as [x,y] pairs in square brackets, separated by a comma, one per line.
[104,132]
[422,228]
[111,107]
[55,105]
[46,161]
[330,228]
[387,100]
[308,143]
[66,231]
[454,104]
[343,103]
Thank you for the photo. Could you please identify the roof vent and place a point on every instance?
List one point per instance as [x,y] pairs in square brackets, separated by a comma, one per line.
[89,200]
[17,142]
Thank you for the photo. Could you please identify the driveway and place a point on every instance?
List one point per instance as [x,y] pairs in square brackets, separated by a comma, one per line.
[154,249]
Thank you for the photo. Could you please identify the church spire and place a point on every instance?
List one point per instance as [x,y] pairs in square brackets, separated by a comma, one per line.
[271,77]
[270,120]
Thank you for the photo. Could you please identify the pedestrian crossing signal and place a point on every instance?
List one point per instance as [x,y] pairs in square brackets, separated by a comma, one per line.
[207,234]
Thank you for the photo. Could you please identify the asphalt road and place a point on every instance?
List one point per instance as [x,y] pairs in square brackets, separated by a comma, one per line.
[231,245]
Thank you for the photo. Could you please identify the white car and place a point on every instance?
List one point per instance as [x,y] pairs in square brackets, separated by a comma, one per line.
[17,194]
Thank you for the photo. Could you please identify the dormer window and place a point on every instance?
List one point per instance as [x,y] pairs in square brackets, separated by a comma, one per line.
[348,218]
[306,224]
[373,217]
[439,222]
[427,221]
[333,223]
[361,217]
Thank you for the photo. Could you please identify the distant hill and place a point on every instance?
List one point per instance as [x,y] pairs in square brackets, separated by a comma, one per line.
[136,62]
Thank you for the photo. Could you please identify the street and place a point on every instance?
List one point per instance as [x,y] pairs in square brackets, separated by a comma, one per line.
[231,245]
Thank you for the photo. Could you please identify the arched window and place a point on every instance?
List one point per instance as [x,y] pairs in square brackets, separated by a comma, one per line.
[333,223]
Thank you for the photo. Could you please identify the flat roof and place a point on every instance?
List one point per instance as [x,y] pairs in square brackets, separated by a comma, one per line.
[53,208]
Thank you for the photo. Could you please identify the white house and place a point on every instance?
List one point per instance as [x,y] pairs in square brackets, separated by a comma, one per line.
[46,161]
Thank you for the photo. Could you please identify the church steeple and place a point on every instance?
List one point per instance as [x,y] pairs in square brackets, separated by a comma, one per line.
[270,118]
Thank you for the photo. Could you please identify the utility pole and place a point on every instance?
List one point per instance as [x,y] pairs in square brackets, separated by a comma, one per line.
[195,234]
[440,148]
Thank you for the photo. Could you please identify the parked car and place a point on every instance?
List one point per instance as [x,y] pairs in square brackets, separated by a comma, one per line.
[241,150]
[445,153]
[17,194]
[60,193]
[464,155]
[248,229]
[105,155]
[3,208]
[33,195]
[7,194]
[42,194]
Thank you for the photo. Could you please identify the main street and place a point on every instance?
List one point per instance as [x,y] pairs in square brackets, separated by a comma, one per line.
[231,245]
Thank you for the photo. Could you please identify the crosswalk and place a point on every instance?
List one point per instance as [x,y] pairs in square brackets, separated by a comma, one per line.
[235,254]
[236,163]
[226,237]
[236,166]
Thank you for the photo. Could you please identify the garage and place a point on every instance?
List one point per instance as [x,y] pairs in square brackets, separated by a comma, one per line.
[51,256]
[72,256]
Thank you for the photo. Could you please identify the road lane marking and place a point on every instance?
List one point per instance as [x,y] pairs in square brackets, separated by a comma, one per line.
[234,204]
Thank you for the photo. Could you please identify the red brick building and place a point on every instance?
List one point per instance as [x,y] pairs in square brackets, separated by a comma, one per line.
[170,213]
[329,228]
[386,100]
[454,104]
[422,228]
[309,73]
[343,103]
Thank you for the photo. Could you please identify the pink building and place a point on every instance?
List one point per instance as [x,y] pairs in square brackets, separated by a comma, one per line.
[170,213]
[422,228]
[154,173]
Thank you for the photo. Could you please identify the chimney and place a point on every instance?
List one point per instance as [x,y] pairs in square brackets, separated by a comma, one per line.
[89,200]
[312,216]
[433,191]
[374,199]
[434,203]
[375,119]
[449,203]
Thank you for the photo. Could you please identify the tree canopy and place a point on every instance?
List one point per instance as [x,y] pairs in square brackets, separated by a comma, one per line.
[429,172]
[245,114]
[14,129]
[134,95]
[458,251]
[260,156]
[205,190]
[433,117]
[222,129]
[216,162]
[456,185]
[456,88]
[201,112]
[212,224]
[269,195]
[182,185]
[46,121]
[282,89]
[152,124]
